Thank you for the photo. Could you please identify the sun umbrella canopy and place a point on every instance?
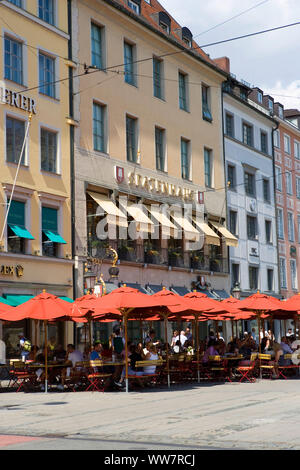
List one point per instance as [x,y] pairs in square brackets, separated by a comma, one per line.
[5,311]
[291,304]
[195,302]
[42,307]
[260,303]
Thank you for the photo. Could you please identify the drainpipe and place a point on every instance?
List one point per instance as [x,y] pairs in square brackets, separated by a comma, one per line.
[277,334]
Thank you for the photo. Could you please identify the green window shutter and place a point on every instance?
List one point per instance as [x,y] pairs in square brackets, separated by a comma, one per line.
[16,215]
[49,219]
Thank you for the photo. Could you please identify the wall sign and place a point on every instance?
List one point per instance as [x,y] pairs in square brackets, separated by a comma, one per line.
[17,100]
[10,271]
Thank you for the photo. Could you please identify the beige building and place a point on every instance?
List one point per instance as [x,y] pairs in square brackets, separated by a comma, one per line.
[150,133]
[35,244]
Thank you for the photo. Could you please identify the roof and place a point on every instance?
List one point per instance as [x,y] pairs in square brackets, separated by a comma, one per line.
[149,14]
[291,112]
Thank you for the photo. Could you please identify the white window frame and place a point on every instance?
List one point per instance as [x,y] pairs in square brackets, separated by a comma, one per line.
[291,227]
[58,148]
[289,182]
[287,144]
[282,272]
[280,223]
[293,273]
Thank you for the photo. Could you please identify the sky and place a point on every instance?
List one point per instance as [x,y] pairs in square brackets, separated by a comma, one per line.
[269,61]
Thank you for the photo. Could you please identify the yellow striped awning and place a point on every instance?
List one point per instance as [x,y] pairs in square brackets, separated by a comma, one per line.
[230,239]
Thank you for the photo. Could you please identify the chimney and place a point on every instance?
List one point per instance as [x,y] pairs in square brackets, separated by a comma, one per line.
[223,63]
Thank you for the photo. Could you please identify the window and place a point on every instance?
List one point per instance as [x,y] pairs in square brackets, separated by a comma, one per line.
[229,123]
[15,133]
[160,148]
[250,184]
[131,139]
[247,134]
[291,230]
[206,107]
[46,11]
[298,187]
[99,115]
[259,97]
[268,228]
[289,182]
[251,227]
[298,220]
[253,278]
[183,93]
[158,78]
[276,139]
[270,104]
[18,3]
[282,272]
[233,222]
[129,56]
[235,274]
[266,190]
[97,45]
[278,178]
[270,279]
[135,6]
[208,167]
[287,144]
[48,151]
[185,159]
[293,270]
[231,176]
[280,224]
[47,75]
[297,149]
[16,231]
[51,239]
[280,112]
[264,142]
[13,60]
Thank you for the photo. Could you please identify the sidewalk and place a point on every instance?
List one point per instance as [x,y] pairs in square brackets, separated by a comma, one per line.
[262,415]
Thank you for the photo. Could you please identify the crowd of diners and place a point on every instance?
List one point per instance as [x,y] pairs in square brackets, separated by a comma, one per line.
[152,348]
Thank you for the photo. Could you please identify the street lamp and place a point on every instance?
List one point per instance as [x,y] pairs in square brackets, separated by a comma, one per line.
[89,279]
[236,291]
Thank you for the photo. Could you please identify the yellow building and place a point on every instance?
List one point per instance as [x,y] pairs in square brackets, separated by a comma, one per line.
[36,250]
[150,114]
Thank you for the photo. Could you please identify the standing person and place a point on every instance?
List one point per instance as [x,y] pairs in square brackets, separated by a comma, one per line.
[25,347]
[182,338]
[150,338]
[173,339]
[188,334]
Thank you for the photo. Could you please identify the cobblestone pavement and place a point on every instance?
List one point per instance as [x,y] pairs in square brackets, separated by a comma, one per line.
[261,415]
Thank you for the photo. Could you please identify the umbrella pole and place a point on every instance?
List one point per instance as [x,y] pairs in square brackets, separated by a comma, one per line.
[126,350]
[232,329]
[167,350]
[259,344]
[46,356]
[197,347]
[35,337]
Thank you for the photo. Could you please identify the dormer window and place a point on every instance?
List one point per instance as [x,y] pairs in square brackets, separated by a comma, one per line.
[135,6]
[187,37]
[164,21]
[259,97]
[270,104]
[280,112]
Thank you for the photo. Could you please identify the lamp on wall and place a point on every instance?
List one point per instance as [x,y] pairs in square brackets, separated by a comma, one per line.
[89,279]
[236,291]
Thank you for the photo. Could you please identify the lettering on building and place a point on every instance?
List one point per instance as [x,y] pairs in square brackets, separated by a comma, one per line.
[17,100]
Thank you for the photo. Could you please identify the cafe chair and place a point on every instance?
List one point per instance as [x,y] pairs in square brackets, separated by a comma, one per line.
[95,377]
[247,372]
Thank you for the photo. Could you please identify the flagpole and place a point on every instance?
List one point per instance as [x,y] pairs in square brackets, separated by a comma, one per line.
[16,177]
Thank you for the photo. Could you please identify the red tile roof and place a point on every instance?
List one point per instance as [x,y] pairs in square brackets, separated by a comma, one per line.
[148,12]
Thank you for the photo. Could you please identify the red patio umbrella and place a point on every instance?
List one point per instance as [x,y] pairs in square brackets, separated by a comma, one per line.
[43,307]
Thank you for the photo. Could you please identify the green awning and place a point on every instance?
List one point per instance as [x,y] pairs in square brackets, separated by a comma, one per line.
[20,231]
[67,299]
[6,302]
[16,300]
[54,237]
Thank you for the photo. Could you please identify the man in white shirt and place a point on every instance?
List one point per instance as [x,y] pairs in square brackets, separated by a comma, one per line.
[182,338]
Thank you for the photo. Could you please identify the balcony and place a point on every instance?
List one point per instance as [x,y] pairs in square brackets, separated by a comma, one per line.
[131,251]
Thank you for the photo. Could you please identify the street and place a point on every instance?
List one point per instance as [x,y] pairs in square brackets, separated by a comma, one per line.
[264,415]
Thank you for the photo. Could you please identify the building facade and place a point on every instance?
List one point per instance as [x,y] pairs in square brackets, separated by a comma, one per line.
[35,215]
[248,130]
[150,137]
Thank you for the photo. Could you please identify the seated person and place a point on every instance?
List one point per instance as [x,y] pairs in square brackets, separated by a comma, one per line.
[60,353]
[247,346]
[177,348]
[221,346]
[150,356]
[96,353]
[106,352]
[74,356]
[233,346]
[134,355]
[211,350]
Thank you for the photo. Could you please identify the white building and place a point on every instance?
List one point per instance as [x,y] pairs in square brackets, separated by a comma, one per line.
[248,130]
